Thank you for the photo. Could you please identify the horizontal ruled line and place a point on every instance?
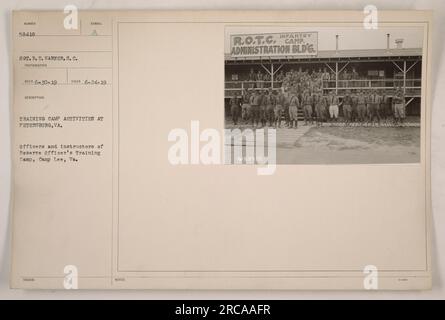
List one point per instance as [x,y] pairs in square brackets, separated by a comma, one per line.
[49,51]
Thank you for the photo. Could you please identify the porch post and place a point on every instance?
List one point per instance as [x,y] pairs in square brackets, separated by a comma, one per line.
[336,78]
[404,77]
[271,75]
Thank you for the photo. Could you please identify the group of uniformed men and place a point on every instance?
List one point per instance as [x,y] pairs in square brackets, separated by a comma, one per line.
[266,106]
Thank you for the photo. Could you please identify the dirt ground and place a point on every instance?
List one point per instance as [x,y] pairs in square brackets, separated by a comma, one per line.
[349,145]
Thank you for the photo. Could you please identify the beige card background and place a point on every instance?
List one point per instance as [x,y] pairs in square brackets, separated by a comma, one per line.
[132,220]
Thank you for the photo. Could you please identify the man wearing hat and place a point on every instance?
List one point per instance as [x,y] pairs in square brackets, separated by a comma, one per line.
[294,103]
[265,101]
[259,80]
[347,107]
[270,108]
[361,107]
[385,107]
[286,102]
[279,105]
[320,106]
[399,107]
[307,106]
[333,106]
[354,112]
[373,106]
[245,108]
[255,101]
[234,108]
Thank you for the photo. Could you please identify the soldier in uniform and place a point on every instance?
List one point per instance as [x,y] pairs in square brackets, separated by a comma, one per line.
[252,78]
[333,106]
[361,107]
[385,108]
[263,106]
[245,108]
[259,80]
[347,107]
[234,108]
[294,103]
[270,108]
[354,76]
[306,102]
[354,112]
[286,102]
[374,102]
[280,77]
[399,107]
[255,102]
[320,107]
[279,105]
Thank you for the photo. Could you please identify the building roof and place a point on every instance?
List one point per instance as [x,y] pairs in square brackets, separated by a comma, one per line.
[333,54]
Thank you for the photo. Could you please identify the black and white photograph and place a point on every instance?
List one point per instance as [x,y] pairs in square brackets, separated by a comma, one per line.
[334,95]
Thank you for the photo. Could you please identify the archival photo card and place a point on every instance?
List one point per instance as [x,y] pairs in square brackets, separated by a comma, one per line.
[251,150]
